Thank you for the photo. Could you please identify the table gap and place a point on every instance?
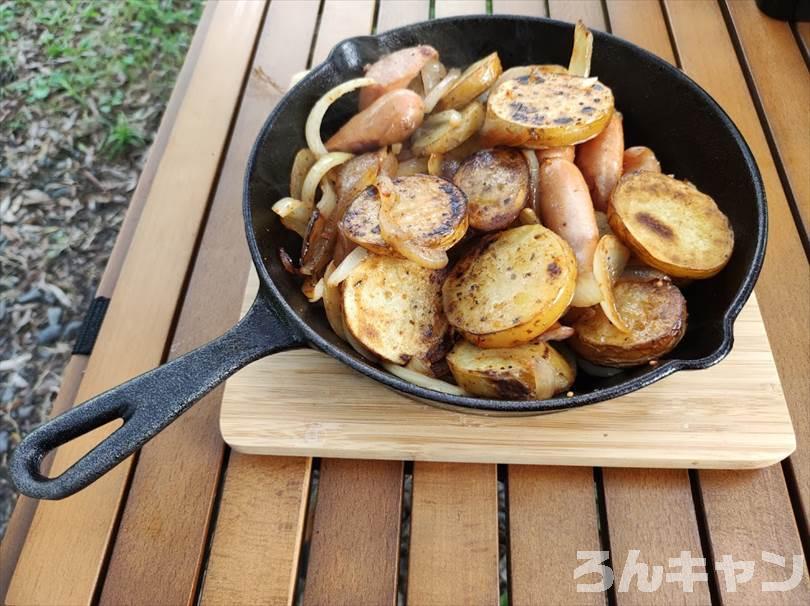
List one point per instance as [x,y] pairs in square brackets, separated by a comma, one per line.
[212,525]
[779,163]
[405,531]
[800,42]
[375,17]
[504,585]
[705,538]
[306,535]
[796,503]
[315,34]
[603,528]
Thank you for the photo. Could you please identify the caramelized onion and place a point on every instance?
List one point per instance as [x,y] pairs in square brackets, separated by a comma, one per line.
[313,124]
[421,380]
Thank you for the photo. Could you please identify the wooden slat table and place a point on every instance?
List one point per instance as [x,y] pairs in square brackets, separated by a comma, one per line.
[187,521]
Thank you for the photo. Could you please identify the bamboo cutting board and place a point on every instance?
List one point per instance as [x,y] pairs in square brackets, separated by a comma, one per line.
[730,416]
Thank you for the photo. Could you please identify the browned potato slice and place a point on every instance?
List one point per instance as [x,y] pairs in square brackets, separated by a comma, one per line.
[510,373]
[547,110]
[393,308]
[511,287]
[440,133]
[475,80]
[655,313]
[432,213]
[496,183]
[670,225]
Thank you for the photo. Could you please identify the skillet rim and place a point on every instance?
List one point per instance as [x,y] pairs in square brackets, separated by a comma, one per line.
[271,294]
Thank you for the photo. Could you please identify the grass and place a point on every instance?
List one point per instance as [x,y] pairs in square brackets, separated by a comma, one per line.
[63,53]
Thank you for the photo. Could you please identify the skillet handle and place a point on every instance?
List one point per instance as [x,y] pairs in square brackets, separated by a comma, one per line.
[147,404]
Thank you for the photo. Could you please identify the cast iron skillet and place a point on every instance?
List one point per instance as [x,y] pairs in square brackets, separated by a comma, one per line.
[663,108]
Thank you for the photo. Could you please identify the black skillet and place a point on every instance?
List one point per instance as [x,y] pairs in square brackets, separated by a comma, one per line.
[663,108]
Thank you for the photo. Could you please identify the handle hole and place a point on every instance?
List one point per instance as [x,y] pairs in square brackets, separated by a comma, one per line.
[62,457]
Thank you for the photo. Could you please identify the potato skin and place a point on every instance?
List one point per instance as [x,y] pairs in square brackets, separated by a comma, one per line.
[670,225]
[655,312]
[496,183]
[510,287]
[506,373]
[393,308]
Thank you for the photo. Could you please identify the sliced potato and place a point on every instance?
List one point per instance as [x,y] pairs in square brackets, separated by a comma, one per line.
[393,308]
[511,287]
[431,211]
[670,225]
[609,261]
[548,110]
[303,161]
[516,373]
[475,80]
[440,132]
[496,183]
[655,313]
[524,71]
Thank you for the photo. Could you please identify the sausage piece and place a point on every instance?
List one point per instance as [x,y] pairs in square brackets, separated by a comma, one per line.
[395,71]
[390,119]
[640,158]
[496,182]
[600,161]
[566,153]
[565,208]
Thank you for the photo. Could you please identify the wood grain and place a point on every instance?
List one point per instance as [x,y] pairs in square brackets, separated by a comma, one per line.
[354,551]
[68,539]
[454,535]
[784,284]
[641,23]
[452,8]
[533,8]
[394,13]
[652,511]
[341,20]
[254,552]
[748,512]
[552,515]
[185,459]
[782,83]
[647,510]
[23,513]
[690,419]
[590,11]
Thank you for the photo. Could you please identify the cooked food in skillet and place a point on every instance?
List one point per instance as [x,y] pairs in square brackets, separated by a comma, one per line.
[484,232]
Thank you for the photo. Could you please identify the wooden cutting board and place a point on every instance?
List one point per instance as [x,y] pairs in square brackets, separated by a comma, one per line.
[730,416]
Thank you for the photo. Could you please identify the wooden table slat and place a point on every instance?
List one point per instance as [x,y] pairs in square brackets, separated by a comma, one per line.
[782,85]
[783,290]
[68,540]
[552,515]
[354,551]
[452,8]
[453,556]
[185,459]
[256,543]
[650,511]
[591,12]
[341,20]
[18,524]
[803,31]
[533,8]
[395,13]
[784,284]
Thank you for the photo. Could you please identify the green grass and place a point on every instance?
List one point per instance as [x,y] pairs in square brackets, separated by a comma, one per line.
[59,54]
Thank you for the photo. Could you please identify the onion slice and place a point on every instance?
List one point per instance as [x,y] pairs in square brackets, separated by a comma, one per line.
[318,171]
[432,74]
[328,202]
[544,379]
[534,176]
[313,291]
[434,164]
[349,263]
[609,261]
[437,92]
[313,124]
[295,214]
[528,217]
[421,380]
[580,64]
